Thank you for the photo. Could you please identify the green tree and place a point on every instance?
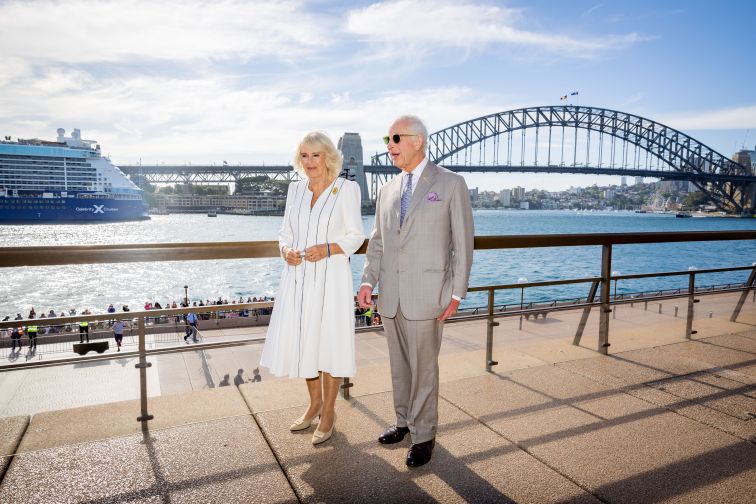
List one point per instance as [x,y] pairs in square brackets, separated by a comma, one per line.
[696,199]
[261,183]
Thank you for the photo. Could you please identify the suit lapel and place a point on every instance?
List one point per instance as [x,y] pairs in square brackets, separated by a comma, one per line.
[423,186]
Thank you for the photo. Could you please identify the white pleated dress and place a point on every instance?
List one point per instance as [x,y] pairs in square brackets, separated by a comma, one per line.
[312,325]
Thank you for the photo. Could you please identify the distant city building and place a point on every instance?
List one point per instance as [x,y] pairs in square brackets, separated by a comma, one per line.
[624,182]
[505,196]
[576,190]
[518,193]
[746,158]
[248,204]
[609,193]
[677,186]
[638,180]
[473,194]
[525,205]
[488,196]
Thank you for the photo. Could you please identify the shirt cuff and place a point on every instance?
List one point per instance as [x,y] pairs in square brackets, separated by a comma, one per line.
[365,284]
[457,298]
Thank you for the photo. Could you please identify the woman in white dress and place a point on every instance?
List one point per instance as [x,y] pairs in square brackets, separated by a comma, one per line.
[311,331]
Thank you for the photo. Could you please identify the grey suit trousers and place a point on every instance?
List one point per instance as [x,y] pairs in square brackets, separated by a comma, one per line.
[413,348]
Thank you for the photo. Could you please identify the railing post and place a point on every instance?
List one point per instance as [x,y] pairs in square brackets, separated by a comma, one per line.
[587,311]
[606,274]
[345,388]
[142,366]
[691,302]
[744,295]
[489,332]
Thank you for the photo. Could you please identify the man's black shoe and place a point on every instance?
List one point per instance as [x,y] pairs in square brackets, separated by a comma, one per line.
[393,435]
[420,453]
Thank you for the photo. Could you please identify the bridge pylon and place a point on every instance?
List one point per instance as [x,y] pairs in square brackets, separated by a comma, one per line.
[350,146]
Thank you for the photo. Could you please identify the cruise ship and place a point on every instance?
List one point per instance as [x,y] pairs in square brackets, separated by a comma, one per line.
[68,180]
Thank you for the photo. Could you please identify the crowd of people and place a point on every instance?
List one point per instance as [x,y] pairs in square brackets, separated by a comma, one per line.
[148,305]
[364,317]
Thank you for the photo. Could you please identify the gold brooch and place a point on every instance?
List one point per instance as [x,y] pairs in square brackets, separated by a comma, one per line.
[335,190]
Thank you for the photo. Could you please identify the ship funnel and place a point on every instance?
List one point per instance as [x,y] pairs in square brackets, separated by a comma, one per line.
[61,135]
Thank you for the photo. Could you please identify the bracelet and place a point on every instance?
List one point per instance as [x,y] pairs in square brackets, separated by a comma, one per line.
[328,248]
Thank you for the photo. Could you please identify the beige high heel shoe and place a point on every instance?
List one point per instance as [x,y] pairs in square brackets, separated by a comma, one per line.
[321,437]
[303,423]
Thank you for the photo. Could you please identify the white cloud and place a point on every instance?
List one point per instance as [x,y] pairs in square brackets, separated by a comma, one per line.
[411,29]
[79,31]
[729,118]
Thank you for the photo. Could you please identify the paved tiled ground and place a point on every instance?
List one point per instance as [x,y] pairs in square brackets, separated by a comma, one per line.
[659,420]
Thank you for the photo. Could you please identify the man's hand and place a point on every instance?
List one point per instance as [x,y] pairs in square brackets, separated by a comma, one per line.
[365,296]
[450,310]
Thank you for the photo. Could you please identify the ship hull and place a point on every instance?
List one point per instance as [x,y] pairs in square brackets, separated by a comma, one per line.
[62,210]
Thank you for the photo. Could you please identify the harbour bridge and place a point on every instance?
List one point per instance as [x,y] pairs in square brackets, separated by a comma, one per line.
[549,139]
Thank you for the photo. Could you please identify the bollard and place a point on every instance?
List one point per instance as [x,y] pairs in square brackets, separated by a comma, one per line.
[520,322]
[660,307]
[676,308]
[711,314]
[645,305]
[614,312]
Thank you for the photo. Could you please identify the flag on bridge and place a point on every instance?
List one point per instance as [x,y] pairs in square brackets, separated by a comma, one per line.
[574,93]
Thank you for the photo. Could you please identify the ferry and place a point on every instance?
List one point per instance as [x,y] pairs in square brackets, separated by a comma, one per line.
[67,180]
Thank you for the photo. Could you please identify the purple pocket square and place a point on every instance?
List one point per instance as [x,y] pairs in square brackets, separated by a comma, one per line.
[433,197]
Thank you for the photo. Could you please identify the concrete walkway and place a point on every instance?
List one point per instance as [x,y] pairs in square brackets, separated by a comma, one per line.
[662,419]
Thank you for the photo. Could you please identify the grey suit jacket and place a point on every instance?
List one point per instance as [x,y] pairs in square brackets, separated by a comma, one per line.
[426,261]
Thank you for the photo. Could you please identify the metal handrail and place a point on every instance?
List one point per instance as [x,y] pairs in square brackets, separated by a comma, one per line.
[153,252]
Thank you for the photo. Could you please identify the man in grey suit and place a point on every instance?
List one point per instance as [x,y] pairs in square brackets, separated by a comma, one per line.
[420,253]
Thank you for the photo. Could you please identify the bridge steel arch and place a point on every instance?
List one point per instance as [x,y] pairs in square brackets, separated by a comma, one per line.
[727,183]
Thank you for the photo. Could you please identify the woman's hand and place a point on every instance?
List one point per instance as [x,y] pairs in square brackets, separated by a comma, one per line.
[316,253]
[292,257]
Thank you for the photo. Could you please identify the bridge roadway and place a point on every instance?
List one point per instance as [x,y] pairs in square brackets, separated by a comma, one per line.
[212,173]
[662,419]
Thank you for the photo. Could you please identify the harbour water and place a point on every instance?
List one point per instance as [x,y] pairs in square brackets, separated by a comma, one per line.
[96,286]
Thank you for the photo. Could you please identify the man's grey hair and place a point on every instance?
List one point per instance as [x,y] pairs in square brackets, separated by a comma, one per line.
[415,126]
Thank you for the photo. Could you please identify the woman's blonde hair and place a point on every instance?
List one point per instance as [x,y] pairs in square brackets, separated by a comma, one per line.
[333,159]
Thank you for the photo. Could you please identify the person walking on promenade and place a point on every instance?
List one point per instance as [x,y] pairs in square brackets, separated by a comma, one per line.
[311,330]
[31,332]
[420,253]
[118,327]
[83,331]
[191,326]
[16,339]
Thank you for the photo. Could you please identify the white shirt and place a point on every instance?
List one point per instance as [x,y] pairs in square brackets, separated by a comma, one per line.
[416,174]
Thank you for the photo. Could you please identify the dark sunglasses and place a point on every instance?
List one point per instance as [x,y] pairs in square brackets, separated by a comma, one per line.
[396,138]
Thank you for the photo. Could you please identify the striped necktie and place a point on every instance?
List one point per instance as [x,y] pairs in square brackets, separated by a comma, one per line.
[406,197]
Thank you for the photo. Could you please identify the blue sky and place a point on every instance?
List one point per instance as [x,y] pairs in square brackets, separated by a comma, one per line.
[204,82]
